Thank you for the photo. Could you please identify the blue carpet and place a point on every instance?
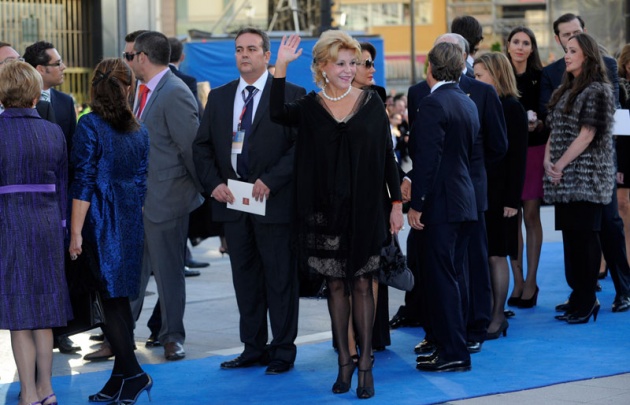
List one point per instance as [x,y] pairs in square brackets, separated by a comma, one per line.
[538,351]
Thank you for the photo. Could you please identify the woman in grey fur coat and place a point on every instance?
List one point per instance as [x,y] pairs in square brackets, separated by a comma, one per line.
[579,169]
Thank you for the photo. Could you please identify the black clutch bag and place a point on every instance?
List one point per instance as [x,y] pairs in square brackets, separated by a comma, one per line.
[394,271]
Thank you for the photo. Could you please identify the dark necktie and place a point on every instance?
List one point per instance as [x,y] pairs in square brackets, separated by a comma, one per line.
[246,123]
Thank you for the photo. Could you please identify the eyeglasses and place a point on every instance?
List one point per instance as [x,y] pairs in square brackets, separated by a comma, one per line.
[56,64]
[368,63]
[11,59]
[130,55]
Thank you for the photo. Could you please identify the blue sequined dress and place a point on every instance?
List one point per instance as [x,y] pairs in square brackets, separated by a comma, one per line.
[110,173]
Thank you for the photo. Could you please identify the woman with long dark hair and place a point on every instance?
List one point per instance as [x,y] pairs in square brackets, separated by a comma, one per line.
[579,168]
[110,160]
[522,52]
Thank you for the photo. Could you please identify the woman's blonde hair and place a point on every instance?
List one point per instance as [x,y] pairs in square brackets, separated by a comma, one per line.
[20,84]
[500,69]
[327,49]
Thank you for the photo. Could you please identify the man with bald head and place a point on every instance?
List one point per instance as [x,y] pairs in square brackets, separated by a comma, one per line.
[8,54]
[489,147]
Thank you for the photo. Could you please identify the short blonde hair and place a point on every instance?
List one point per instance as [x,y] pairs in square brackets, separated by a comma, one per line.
[501,71]
[326,50]
[20,84]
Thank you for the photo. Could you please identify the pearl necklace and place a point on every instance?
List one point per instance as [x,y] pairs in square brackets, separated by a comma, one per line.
[335,98]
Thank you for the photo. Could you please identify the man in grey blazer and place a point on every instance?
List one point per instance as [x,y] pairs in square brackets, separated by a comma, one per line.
[170,113]
[263,270]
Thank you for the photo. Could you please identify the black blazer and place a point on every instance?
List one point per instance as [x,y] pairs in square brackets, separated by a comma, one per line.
[65,114]
[270,152]
[441,149]
[44,109]
[552,78]
[490,144]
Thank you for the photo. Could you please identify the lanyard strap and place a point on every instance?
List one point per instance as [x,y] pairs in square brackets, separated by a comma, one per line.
[246,101]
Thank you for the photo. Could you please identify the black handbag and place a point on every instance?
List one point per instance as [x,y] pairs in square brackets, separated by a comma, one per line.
[82,276]
[394,271]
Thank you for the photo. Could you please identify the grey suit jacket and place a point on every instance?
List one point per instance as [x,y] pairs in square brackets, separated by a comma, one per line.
[172,120]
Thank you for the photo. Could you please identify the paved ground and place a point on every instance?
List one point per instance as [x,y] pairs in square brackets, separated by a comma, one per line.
[212,329]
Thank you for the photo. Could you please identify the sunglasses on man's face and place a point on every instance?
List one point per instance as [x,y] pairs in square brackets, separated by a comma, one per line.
[130,55]
[368,63]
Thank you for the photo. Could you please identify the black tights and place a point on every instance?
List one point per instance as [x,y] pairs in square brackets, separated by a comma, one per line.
[118,330]
[362,314]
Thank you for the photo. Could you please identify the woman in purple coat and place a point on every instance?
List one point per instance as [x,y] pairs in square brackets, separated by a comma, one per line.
[33,171]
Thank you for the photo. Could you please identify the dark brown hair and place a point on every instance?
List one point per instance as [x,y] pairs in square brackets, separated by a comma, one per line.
[110,83]
[593,70]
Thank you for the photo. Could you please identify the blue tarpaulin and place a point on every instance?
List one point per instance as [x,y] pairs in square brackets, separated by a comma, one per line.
[214,61]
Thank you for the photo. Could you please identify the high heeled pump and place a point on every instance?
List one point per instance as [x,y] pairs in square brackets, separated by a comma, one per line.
[530,302]
[365,392]
[514,301]
[134,396]
[101,397]
[501,331]
[340,386]
[576,318]
[46,399]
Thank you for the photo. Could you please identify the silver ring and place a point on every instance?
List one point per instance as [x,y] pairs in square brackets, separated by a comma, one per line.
[73,257]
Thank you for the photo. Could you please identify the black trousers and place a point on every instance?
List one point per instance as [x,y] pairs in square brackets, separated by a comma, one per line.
[613,243]
[442,278]
[264,274]
[582,256]
[478,308]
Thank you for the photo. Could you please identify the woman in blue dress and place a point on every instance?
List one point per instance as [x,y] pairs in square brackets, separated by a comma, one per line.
[33,173]
[109,157]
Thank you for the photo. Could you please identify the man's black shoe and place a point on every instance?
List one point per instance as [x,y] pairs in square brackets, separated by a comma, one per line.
[400,321]
[194,264]
[153,341]
[424,347]
[621,303]
[422,358]
[191,273]
[240,362]
[438,365]
[65,345]
[278,367]
[473,347]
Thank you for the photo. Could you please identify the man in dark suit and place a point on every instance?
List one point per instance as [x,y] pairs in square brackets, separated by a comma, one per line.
[46,60]
[443,202]
[490,147]
[263,270]
[169,110]
[611,234]
[469,27]
[44,57]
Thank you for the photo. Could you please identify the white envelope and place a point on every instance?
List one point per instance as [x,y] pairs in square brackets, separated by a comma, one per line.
[243,200]
[622,122]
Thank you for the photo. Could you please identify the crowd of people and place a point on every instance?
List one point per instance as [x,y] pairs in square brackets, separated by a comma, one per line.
[489,137]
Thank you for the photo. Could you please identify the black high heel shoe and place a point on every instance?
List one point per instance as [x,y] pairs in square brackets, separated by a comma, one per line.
[130,396]
[530,302]
[363,391]
[501,331]
[340,386]
[102,397]
[514,302]
[575,318]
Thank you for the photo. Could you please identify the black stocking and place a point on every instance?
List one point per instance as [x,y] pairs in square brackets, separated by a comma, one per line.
[339,309]
[363,314]
[119,332]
